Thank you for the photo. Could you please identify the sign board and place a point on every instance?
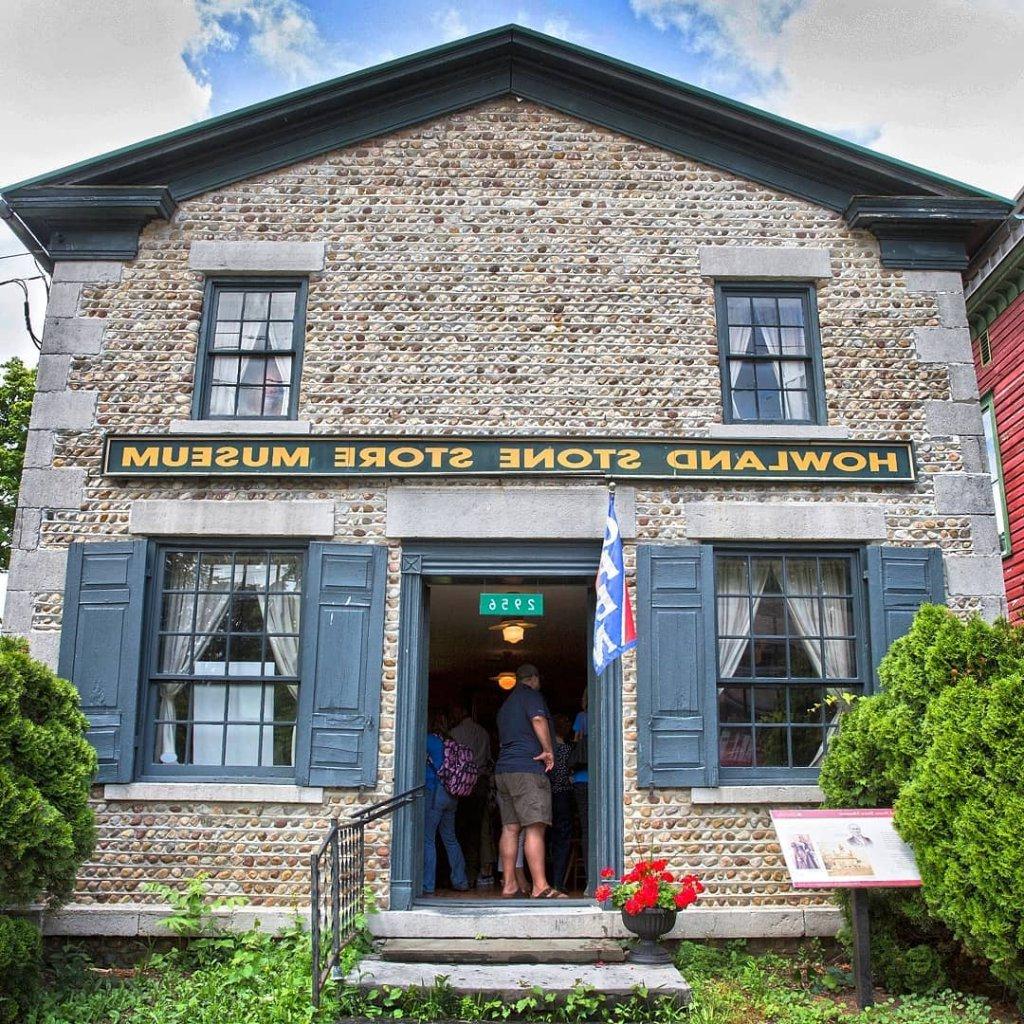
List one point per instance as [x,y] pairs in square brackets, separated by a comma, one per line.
[511,604]
[853,462]
[844,849]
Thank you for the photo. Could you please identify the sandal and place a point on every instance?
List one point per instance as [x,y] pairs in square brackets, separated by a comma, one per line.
[517,895]
[550,893]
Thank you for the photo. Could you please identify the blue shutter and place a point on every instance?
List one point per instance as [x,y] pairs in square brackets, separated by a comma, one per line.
[101,646]
[900,580]
[676,666]
[342,661]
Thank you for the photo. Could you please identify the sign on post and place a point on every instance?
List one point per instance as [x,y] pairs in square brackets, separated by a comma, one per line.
[849,848]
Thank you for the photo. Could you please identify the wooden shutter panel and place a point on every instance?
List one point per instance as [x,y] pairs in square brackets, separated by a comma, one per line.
[900,580]
[676,666]
[101,646]
[342,661]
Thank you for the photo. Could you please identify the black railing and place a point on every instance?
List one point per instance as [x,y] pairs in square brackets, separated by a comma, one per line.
[337,882]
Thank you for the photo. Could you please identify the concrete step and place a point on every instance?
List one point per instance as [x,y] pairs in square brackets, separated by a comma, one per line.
[511,981]
[502,951]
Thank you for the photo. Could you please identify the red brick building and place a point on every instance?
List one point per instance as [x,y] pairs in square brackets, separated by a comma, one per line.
[994,290]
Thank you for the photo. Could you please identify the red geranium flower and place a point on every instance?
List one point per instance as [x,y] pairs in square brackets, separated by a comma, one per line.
[603,893]
[607,872]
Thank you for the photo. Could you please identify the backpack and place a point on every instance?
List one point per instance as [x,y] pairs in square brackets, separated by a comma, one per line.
[458,772]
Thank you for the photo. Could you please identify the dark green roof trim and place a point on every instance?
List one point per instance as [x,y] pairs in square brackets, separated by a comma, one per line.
[926,233]
[669,114]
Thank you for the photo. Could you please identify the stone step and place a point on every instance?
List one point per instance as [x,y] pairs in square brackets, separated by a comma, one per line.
[512,981]
[502,951]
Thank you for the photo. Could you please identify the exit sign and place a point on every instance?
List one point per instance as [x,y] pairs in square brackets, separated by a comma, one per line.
[511,604]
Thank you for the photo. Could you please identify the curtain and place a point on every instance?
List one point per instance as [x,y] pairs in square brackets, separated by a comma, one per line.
[737,611]
[210,610]
[838,653]
[281,615]
[802,601]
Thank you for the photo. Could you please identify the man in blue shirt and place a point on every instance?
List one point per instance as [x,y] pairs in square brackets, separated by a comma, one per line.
[521,781]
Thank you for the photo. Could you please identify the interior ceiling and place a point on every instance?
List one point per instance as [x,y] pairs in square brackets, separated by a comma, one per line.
[465,652]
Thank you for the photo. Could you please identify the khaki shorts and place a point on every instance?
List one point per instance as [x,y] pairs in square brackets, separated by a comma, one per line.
[524,798]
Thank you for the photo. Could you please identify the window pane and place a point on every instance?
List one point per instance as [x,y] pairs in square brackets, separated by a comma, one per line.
[214,570]
[285,572]
[738,309]
[256,305]
[835,576]
[275,401]
[770,658]
[226,335]
[284,745]
[250,401]
[769,405]
[771,748]
[224,370]
[171,743]
[180,570]
[281,705]
[736,748]
[797,405]
[282,306]
[246,614]
[793,342]
[769,704]
[734,704]
[770,617]
[801,576]
[734,659]
[804,615]
[767,575]
[765,311]
[793,374]
[767,376]
[177,612]
[211,655]
[229,305]
[808,747]
[766,341]
[281,335]
[741,340]
[838,616]
[791,310]
[841,659]
[222,401]
[806,704]
[175,652]
[805,659]
[254,335]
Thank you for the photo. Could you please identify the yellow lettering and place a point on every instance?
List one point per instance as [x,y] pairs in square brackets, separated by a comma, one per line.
[226,457]
[682,458]
[575,458]
[850,462]
[629,458]
[875,462]
[372,458]
[436,456]
[254,457]
[749,460]
[282,457]
[532,458]
[509,458]
[140,457]
[781,463]
[174,461]
[344,457]
[406,458]
[604,457]
[803,461]
[461,458]
[716,460]
[202,457]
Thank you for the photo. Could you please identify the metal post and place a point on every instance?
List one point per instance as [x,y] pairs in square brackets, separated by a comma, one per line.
[861,947]
[314,923]
[335,894]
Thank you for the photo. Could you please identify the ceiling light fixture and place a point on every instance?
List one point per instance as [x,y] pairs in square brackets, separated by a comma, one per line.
[506,680]
[514,630]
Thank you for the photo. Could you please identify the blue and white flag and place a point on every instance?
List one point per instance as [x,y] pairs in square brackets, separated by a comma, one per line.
[614,629]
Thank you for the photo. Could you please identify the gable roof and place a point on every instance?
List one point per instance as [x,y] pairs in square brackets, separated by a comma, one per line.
[511,60]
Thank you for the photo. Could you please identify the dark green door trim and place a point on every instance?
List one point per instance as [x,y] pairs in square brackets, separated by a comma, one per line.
[419,563]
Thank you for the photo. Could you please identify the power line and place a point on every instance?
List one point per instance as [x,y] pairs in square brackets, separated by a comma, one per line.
[22,283]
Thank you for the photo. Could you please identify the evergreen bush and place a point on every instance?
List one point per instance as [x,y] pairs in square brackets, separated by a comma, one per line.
[46,825]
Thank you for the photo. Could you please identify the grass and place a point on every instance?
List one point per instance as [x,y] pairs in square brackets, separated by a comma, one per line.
[255,979]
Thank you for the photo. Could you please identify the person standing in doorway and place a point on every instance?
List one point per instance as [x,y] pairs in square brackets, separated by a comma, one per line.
[561,802]
[440,814]
[581,777]
[469,818]
[521,781]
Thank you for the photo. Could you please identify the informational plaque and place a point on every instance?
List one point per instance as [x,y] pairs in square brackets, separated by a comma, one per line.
[844,849]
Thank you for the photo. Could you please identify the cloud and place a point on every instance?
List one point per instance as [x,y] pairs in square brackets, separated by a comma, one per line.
[450,24]
[933,82]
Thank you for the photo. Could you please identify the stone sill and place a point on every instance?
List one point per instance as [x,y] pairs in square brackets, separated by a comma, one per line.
[134,919]
[754,432]
[235,427]
[214,792]
[758,795]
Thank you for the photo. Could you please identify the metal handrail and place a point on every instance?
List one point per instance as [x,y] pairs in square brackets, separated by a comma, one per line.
[337,881]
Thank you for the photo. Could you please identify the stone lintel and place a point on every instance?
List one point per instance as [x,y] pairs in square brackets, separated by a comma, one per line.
[810,520]
[162,517]
[245,257]
[493,511]
[777,432]
[761,261]
[213,792]
[960,494]
[234,427]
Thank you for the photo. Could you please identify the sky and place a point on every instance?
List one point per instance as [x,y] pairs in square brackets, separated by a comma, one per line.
[938,83]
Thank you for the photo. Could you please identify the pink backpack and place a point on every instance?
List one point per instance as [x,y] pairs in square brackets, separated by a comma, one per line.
[458,772]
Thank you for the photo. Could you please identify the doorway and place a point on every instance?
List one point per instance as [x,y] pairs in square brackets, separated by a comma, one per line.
[448,654]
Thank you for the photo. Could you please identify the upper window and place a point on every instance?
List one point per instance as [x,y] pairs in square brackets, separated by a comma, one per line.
[770,354]
[224,680]
[995,469]
[251,350]
[789,656]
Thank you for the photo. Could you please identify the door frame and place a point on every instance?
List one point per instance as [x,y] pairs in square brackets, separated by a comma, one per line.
[555,560]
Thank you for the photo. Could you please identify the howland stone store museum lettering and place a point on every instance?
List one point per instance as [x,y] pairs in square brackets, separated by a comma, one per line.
[331,386]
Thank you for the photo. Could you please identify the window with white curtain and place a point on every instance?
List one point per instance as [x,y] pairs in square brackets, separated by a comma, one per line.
[251,349]
[225,660]
[770,354]
[789,656]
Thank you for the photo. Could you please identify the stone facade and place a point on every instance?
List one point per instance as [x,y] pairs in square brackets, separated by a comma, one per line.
[506,270]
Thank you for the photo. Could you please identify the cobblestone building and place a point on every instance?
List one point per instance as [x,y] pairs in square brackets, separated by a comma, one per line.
[505,239]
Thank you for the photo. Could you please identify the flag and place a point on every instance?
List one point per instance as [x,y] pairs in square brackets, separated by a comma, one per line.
[614,629]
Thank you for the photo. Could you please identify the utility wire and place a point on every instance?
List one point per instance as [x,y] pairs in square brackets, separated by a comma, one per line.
[22,283]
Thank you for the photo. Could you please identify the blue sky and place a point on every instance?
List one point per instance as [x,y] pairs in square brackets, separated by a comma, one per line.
[934,82]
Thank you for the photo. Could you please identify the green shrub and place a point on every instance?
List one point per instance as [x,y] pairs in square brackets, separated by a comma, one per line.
[46,826]
[20,951]
[878,751]
[962,812]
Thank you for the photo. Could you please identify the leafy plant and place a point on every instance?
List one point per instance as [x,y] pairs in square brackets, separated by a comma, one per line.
[648,885]
[192,910]
[17,388]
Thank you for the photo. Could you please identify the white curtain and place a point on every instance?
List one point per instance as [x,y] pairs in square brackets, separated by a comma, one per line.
[734,612]
[802,601]
[838,653]
[281,615]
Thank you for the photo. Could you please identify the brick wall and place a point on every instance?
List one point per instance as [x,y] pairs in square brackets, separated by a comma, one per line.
[505,270]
